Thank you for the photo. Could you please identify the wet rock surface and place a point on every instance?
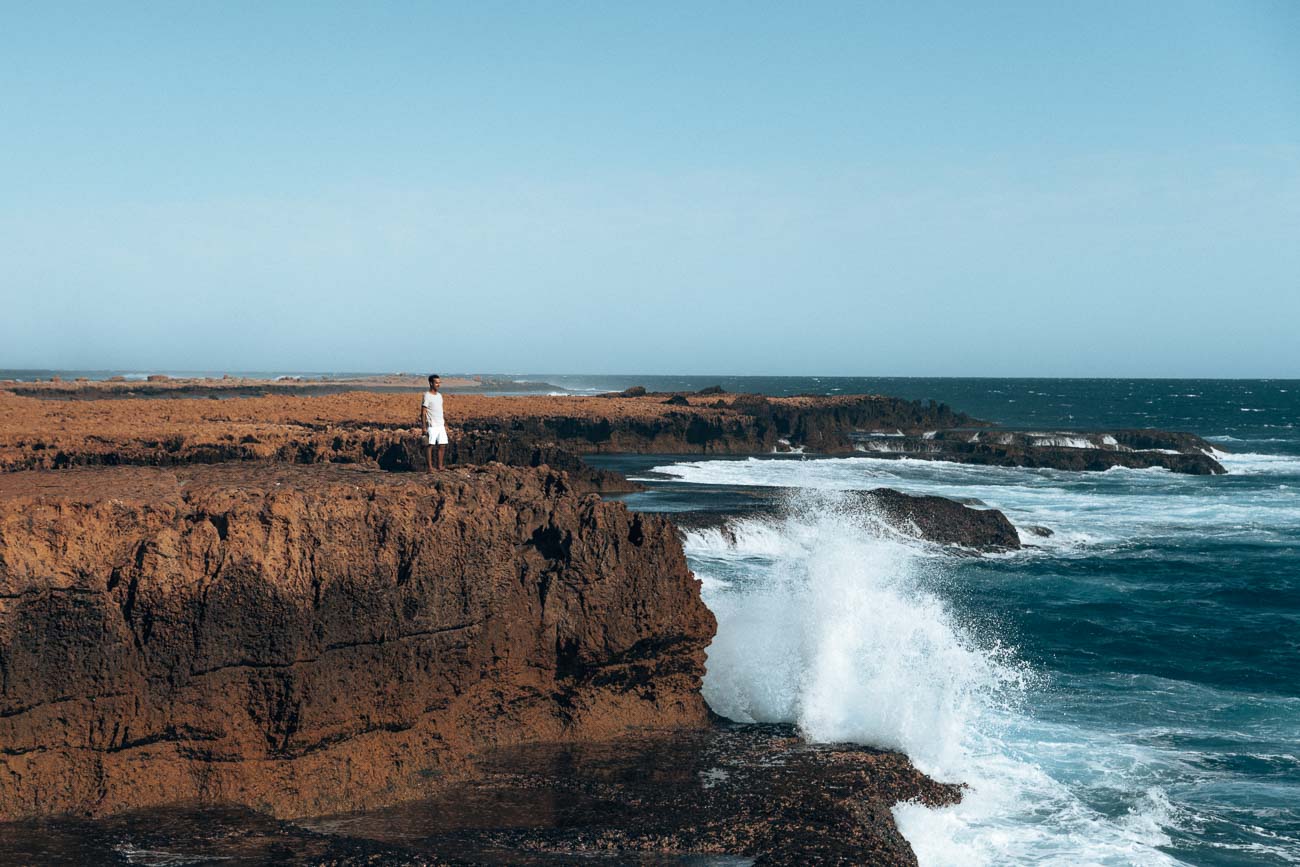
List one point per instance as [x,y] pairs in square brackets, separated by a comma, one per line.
[723,795]
[943,521]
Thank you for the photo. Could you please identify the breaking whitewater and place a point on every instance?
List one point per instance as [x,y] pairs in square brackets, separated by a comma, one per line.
[1123,693]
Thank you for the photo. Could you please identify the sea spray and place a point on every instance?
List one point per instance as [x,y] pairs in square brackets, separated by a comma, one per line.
[829,619]
[1161,614]
[840,634]
[1085,511]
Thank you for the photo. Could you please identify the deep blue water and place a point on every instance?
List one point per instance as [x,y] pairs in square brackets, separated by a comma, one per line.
[1263,411]
[1129,692]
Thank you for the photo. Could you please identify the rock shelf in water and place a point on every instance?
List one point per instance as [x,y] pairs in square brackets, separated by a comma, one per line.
[929,518]
[725,794]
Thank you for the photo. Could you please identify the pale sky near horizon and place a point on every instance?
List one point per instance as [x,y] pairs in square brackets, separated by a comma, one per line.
[997,189]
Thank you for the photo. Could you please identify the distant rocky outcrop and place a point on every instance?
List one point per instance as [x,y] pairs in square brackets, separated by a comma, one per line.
[736,424]
[943,521]
[932,519]
[306,639]
[1061,450]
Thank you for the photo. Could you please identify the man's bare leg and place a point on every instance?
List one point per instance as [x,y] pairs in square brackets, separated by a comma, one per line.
[441,452]
[428,456]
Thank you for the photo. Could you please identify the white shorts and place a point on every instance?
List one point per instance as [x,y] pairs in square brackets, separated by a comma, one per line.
[436,436]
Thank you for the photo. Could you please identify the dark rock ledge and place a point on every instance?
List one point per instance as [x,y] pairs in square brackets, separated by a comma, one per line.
[724,795]
[957,526]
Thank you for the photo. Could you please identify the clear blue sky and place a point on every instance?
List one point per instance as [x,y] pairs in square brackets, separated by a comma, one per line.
[1038,188]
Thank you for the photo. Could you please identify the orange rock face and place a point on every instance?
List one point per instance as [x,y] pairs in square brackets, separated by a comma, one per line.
[307,639]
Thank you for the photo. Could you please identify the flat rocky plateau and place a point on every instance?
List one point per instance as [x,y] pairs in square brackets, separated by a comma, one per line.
[381,429]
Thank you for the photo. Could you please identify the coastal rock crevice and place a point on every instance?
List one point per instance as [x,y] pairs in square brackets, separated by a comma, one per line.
[305,639]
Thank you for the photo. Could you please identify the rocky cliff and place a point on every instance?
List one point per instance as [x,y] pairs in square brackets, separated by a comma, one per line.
[304,639]
[376,430]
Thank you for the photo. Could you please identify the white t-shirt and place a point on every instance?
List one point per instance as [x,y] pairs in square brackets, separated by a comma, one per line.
[432,409]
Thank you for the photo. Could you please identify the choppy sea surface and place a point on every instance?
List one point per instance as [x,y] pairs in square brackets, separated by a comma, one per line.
[1126,692]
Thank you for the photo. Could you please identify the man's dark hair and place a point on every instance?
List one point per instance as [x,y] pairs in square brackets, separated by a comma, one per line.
[432,377]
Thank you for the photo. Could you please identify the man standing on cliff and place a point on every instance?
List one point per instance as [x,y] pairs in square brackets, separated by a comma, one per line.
[431,420]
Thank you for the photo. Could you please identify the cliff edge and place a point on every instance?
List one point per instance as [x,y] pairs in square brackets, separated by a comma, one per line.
[309,639]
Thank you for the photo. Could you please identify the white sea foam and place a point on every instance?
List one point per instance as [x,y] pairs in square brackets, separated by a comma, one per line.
[841,637]
[162,857]
[1254,463]
[1064,442]
[873,446]
[1017,813]
[789,450]
[828,622]
[1084,509]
